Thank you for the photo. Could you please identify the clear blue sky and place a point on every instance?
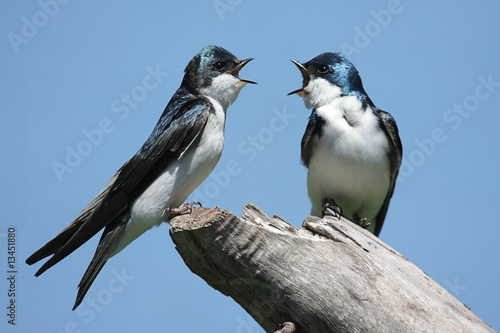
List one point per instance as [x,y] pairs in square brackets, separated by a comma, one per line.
[69,65]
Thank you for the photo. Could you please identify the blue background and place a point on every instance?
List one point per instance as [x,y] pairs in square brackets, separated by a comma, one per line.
[66,68]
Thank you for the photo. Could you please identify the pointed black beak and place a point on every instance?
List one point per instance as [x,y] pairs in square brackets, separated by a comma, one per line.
[306,78]
[236,70]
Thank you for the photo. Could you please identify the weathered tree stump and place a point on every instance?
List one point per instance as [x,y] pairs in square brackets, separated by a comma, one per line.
[328,276]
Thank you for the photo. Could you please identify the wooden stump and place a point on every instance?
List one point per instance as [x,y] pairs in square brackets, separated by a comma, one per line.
[328,276]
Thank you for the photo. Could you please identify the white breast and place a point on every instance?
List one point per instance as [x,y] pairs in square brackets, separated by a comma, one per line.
[178,181]
[350,164]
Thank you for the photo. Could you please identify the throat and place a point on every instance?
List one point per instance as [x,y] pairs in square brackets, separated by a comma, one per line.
[320,92]
[224,89]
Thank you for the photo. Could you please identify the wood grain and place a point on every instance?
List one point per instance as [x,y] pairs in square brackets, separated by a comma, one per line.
[328,276]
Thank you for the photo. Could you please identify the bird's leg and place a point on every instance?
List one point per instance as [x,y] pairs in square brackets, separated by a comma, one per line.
[362,222]
[331,208]
[185,207]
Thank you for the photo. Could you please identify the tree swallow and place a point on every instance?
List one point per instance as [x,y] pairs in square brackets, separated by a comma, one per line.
[180,153]
[351,148]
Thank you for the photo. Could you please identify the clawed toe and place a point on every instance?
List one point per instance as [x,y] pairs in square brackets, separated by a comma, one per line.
[362,222]
[185,207]
[331,208]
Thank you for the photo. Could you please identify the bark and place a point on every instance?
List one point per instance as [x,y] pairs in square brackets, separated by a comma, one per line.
[330,275]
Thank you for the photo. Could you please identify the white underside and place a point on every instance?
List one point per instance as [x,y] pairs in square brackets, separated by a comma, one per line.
[177,182]
[182,177]
[350,163]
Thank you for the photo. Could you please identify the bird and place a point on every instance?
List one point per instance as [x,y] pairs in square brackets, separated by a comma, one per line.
[351,148]
[182,150]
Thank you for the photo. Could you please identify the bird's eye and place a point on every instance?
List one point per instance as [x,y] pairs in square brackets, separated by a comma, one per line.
[323,69]
[219,65]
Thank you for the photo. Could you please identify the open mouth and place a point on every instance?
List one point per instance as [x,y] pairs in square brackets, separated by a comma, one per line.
[235,71]
[306,78]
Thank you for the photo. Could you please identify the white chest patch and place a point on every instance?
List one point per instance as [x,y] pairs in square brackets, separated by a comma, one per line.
[350,163]
[178,181]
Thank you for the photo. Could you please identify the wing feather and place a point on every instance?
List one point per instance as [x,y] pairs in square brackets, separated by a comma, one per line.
[395,156]
[311,137]
[184,118]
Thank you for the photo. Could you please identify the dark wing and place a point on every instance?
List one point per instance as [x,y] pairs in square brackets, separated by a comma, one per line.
[110,235]
[395,154]
[183,120]
[142,170]
[57,242]
[311,136]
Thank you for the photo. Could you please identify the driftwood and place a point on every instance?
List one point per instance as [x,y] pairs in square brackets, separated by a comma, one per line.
[328,276]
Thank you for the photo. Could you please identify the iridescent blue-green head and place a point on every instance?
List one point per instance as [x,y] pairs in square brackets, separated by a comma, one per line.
[215,72]
[328,76]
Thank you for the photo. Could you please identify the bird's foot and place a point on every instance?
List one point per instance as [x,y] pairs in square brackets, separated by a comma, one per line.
[331,208]
[362,222]
[287,327]
[185,207]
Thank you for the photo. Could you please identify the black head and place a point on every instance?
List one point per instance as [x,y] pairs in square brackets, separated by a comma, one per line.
[334,68]
[211,62]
